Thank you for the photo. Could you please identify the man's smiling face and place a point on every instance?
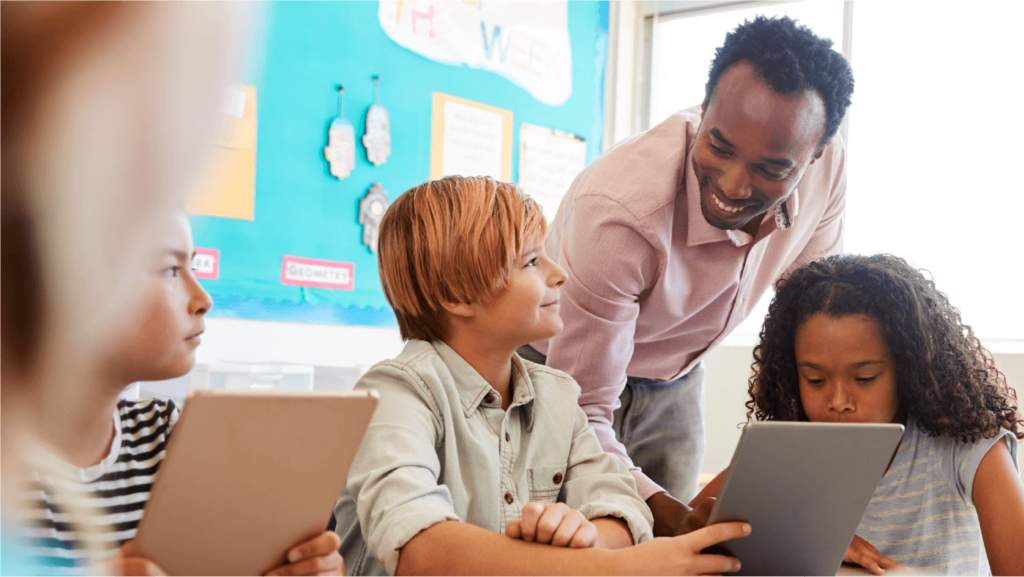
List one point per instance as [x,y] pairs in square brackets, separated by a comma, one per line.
[753,147]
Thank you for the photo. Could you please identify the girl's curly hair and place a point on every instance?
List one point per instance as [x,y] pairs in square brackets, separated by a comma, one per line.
[946,379]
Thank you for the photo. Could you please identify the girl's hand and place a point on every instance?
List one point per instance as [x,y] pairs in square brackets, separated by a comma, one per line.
[553,524]
[864,554]
[682,555]
[318,556]
[128,562]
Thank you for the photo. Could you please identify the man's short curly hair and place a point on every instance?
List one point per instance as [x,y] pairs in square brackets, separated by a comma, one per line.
[790,58]
[946,380]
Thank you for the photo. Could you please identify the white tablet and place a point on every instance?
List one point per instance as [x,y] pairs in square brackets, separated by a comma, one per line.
[247,476]
[803,488]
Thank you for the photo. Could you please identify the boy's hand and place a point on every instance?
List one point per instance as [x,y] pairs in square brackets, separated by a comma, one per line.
[682,555]
[318,556]
[128,562]
[864,554]
[553,524]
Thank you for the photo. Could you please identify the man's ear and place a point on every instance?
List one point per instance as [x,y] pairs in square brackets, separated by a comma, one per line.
[820,152]
[464,310]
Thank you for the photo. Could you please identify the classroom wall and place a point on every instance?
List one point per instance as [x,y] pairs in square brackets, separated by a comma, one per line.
[296,55]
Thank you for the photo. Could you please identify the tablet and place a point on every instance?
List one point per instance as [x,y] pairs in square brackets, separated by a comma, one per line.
[248,475]
[803,488]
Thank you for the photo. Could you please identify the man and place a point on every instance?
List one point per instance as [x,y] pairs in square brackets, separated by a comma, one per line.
[671,237]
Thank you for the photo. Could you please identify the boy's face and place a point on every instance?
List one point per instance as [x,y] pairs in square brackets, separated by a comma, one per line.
[845,370]
[160,339]
[526,310]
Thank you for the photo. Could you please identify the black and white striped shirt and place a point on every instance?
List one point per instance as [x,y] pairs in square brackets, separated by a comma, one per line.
[116,489]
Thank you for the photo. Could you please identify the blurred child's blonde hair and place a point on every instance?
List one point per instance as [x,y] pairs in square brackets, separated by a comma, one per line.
[451,240]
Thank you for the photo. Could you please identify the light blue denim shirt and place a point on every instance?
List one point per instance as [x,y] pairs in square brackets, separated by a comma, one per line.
[440,448]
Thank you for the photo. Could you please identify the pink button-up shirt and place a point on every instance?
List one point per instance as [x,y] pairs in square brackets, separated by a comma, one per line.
[652,286]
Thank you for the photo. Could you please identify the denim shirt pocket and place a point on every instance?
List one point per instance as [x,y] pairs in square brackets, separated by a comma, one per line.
[546,483]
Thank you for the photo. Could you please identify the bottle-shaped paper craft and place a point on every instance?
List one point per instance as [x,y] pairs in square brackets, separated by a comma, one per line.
[377,138]
[340,151]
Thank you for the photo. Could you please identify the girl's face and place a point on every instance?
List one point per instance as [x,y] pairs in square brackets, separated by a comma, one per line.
[845,370]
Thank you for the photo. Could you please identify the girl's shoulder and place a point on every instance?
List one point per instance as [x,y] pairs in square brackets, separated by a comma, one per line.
[956,460]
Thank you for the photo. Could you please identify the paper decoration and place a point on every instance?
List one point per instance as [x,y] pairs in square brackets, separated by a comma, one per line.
[526,42]
[340,151]
[371,210]
[377,137]
[227,185]
[315,273]
[470,139]
[206,264]
[549,161]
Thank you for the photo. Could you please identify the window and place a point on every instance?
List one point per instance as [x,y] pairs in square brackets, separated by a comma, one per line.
[935,142]
[685,46]
[933,137]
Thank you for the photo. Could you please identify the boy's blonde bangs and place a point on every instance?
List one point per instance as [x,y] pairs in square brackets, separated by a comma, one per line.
[451,240]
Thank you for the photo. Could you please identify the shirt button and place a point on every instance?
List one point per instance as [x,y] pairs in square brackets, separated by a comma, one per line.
[508,497]
[489,398]
[507,437]
[557,478]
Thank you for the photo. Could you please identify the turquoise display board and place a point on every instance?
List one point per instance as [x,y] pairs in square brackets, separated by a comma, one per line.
[298,54]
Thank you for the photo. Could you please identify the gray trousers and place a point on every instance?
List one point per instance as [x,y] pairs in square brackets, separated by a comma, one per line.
[661,424]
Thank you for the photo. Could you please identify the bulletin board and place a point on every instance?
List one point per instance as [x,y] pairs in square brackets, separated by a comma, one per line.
[297,54]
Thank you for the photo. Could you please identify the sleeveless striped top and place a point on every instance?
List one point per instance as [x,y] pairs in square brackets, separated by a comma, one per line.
[922,512]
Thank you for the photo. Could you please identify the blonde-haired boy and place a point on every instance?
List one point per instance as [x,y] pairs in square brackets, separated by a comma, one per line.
[477,461]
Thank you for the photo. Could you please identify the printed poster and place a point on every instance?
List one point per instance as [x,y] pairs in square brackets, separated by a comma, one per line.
[469,139]
[526,42]
[549,160]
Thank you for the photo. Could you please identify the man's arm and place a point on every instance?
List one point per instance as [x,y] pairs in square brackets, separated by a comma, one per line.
[609,262]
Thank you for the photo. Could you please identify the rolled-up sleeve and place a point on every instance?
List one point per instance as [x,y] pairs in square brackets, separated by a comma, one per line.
[609,264]
[394,478]
[599,485]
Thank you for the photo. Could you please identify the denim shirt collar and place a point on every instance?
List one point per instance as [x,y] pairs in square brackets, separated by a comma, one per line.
[472,387]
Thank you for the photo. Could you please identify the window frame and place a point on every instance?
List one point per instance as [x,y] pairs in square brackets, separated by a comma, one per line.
[649,14]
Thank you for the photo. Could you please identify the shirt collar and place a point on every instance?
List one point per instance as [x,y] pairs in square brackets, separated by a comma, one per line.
[522,390]
[472,388]
[699,231]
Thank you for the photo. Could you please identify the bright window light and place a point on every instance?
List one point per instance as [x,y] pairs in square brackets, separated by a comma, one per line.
[686,46]
[934,136]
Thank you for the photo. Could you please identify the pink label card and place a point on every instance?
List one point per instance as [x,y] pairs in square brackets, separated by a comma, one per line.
[206,263]
[314,273]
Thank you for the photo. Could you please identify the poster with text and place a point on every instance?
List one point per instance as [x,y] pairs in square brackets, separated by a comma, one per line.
[549,161]
[526,42]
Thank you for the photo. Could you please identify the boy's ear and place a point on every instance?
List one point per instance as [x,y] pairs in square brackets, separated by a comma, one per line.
[464,310]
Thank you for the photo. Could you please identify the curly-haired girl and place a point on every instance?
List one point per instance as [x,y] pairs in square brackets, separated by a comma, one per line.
[870,339]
